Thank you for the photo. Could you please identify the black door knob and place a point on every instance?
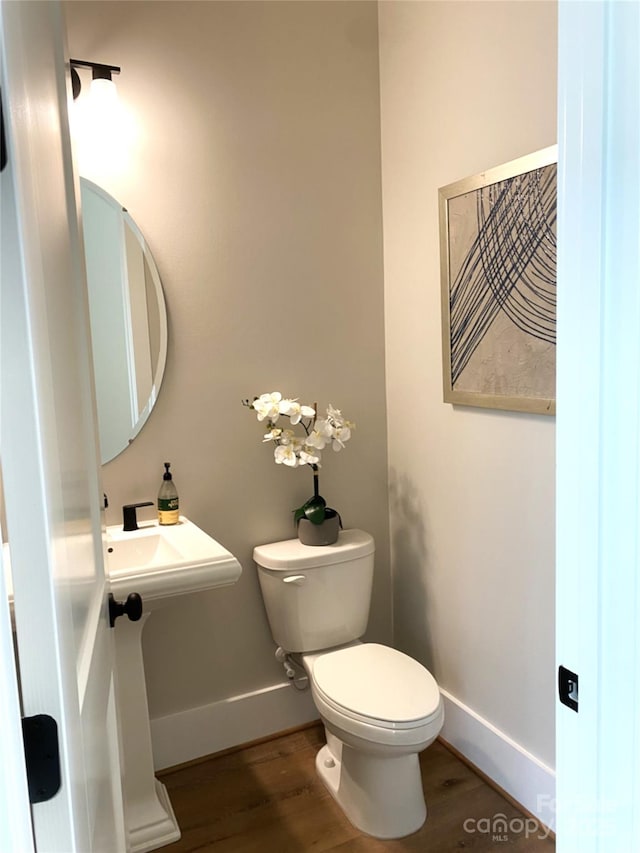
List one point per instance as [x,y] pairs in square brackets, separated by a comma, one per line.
[132,607]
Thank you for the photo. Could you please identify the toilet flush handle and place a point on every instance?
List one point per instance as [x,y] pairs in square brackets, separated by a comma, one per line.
[295,579]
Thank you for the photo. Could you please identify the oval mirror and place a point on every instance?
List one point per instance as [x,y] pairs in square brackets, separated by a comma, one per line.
[128,319]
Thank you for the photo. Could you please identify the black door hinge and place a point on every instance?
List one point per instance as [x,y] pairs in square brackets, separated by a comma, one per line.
[568,688]
[42,757]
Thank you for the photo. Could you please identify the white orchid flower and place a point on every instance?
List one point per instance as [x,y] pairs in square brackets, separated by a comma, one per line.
[273,434]
[324,426]
[308,457]
[287,436]
[268,406]
[317,437]
[292,409]
[334,416]
[284,454]
[340,435]
[295,411]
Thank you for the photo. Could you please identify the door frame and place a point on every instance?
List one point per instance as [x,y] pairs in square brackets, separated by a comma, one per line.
[598,425]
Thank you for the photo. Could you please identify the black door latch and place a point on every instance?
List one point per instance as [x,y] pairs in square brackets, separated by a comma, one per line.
[568,688]
[42,757]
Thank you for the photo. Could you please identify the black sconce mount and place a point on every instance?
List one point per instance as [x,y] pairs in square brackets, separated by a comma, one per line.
[99,71]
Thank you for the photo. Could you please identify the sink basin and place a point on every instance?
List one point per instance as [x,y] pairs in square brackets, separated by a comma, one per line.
[149,549]
[161,561]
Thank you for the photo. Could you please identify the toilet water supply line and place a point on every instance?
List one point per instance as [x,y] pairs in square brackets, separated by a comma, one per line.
[294,670]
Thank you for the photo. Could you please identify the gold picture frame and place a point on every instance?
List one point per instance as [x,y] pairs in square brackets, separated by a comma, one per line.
[498,272]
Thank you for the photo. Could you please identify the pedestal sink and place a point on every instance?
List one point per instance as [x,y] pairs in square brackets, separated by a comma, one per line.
[159,563]
[165,561]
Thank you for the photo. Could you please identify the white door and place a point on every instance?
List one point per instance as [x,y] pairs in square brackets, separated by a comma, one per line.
[598,426]
[49,449]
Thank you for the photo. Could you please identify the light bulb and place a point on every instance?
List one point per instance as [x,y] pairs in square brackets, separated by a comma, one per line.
[103,91]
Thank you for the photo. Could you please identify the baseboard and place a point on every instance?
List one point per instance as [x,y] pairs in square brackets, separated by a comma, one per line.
[530,782]
[188,735]
[178,738]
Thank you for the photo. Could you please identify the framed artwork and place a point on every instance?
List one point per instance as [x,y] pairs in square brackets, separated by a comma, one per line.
[498,267]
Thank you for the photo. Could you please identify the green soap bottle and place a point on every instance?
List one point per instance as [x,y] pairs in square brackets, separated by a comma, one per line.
[168,504]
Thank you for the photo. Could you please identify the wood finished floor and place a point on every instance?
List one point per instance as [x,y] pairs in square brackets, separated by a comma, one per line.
[266,798]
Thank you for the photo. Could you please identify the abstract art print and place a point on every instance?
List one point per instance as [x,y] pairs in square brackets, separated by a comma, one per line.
[498,264]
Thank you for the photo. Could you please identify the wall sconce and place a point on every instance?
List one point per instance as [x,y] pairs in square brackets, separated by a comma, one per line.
[100,74]
[103,127]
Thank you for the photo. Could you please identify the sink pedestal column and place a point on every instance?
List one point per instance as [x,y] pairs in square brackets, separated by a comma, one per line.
[159,563]
[149,818]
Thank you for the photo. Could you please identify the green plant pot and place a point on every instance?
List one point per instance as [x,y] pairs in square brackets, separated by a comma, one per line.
[319,534]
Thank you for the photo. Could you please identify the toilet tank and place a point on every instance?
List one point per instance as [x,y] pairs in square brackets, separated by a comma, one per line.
[317,597]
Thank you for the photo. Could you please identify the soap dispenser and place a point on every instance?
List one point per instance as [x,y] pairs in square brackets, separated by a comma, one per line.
[168,505]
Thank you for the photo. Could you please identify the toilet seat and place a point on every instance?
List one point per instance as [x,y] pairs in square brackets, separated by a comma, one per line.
[371,687]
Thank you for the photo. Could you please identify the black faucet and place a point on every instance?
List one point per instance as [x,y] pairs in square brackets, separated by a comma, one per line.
[129,519]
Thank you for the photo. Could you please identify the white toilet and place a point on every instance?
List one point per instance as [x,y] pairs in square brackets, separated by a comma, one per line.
[380,708]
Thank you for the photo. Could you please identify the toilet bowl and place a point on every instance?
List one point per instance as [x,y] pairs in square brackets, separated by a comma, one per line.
[380,708]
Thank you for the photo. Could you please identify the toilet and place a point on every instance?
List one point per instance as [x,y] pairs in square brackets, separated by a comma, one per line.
[380,708]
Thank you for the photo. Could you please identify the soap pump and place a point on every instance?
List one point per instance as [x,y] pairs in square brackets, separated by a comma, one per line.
[168,504]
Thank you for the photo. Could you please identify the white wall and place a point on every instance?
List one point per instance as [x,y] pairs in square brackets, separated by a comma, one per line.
[464,86]
[251,164]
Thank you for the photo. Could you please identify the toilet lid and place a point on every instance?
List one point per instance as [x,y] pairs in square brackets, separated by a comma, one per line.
[377,682]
